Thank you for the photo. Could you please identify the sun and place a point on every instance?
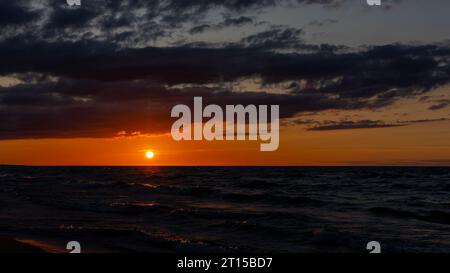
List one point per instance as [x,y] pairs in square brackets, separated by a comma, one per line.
[149,154]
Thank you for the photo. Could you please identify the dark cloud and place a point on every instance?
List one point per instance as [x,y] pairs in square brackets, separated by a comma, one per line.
[424,120]
[276,38]
[133,23]
[89,72]
[71,17]
[358,74]
[200,29]
[440,104]
[103,18]
[93,88]
[359,124]
[384,71]
[236,22]
[13,13]
[229,22]
[347,125]
[69,108]
[204,5]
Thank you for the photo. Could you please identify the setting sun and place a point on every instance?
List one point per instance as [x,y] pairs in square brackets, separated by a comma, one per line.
[149,154]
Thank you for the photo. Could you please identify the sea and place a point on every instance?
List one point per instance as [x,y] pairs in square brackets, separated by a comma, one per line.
[230,209]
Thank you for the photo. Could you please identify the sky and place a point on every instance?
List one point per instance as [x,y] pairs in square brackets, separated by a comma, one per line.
[95,84]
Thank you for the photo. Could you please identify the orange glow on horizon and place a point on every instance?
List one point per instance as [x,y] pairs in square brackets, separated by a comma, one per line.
[419,144]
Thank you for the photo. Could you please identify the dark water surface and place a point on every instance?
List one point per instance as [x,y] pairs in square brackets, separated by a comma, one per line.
[226,209]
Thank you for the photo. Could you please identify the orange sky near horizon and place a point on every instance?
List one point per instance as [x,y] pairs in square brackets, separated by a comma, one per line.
[418,144]
[421,143]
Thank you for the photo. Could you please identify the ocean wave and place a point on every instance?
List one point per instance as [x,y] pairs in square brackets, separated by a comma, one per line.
[433,216]
[253,227]
[227,209]
[275,199]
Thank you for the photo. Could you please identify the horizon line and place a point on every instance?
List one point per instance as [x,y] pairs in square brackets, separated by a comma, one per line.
[238,166]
